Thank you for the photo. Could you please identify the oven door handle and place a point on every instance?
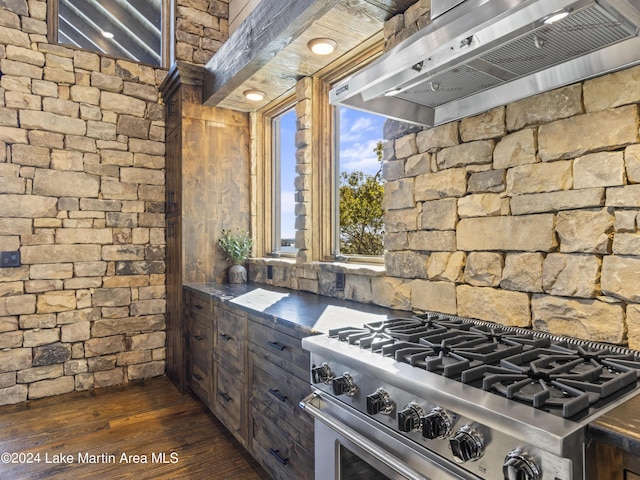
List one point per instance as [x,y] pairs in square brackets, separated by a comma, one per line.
[360,441]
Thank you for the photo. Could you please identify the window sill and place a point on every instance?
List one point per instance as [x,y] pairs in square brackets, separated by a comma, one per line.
[351,268]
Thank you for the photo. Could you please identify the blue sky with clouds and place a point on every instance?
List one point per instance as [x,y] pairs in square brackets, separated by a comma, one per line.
[359,133]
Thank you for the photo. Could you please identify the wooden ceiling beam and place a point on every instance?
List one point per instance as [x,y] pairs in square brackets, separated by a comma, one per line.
[268,29]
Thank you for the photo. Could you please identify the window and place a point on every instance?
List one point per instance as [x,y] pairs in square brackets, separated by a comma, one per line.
[284,171]
[123,28]
[358,186]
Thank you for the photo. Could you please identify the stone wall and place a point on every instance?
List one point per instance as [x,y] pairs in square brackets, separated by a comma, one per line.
[202,26]
[82,184]
[527,215]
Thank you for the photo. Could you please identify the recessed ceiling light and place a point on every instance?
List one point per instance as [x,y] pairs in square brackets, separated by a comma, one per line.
[322,46]
[107,34]
[556,17]
[253,95]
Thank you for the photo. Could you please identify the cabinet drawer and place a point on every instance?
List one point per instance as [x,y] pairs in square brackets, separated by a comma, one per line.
[199,306]
[279,391]
[200,334]
[278,452]
[229,402]
[229,342]
[279,348]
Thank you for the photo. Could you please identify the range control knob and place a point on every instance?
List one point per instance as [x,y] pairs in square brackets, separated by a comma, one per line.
[344,385]
[520,466]
[321,374]
[437,424]
[379,402]
[410,418]
[466,445]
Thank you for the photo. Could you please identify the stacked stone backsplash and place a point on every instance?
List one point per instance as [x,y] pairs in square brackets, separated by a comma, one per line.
[527,215]
[82,184]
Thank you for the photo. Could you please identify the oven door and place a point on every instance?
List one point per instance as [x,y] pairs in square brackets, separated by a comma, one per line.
[351,446]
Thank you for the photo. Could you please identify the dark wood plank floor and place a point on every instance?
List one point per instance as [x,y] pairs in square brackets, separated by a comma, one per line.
[97,434]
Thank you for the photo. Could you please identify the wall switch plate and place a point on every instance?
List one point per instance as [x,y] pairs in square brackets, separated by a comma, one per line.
[340,282]
[9,259]
[269,272]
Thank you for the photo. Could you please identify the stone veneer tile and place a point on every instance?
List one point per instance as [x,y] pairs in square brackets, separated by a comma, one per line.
[433,296]
[571,137]
[571,275]
[602,169]
[556,201]
[487,125]
[522,233]
[473,153]
[501,306]
[614,90]
[621,277]
[540,177]
[585,231]
[545,107]
[587,319]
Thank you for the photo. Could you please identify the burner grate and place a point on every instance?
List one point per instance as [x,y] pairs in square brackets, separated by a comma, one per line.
[562,375]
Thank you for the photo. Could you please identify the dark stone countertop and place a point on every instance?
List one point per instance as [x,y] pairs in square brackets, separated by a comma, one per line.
[620,427]
[307,312]
[310,314]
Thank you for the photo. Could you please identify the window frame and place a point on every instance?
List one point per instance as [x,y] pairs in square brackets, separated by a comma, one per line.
[330,251]
[266,177]
[324,180]
[276,169]
[167,23]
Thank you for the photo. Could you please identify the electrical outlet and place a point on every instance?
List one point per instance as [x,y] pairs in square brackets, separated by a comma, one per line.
[270,272]
[9,259]
[340,282]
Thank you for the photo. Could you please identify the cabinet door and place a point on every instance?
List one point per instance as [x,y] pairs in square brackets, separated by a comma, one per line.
[229,404]
[279,391]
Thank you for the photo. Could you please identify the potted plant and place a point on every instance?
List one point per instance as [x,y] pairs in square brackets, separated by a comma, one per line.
[237,247]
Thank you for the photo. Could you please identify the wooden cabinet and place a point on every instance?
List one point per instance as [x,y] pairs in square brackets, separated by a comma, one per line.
[252,373]
[280,433]
[199,316]
[207,189]
[605,461]
[229,395]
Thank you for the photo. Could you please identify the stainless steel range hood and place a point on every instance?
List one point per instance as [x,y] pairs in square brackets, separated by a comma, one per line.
[485,53]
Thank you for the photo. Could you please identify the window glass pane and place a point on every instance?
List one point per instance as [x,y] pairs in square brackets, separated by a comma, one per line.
[123,28]
[285,173]
[360,185]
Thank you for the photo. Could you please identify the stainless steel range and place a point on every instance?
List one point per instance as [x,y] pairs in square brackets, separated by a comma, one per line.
[441,397]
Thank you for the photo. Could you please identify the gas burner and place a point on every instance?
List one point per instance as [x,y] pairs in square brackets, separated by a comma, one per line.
[550,374]
[558,379]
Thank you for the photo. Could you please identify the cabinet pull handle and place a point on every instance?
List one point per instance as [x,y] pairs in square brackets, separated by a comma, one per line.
[170,230]
[277,345]
[226,337]
[198,337]
[277,394]
[280,458]
[171,197]
[198,307]
[197,377]
[225,396]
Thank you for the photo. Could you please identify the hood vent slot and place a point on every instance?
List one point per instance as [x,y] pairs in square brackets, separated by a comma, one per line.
[488,72]
[579,34]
